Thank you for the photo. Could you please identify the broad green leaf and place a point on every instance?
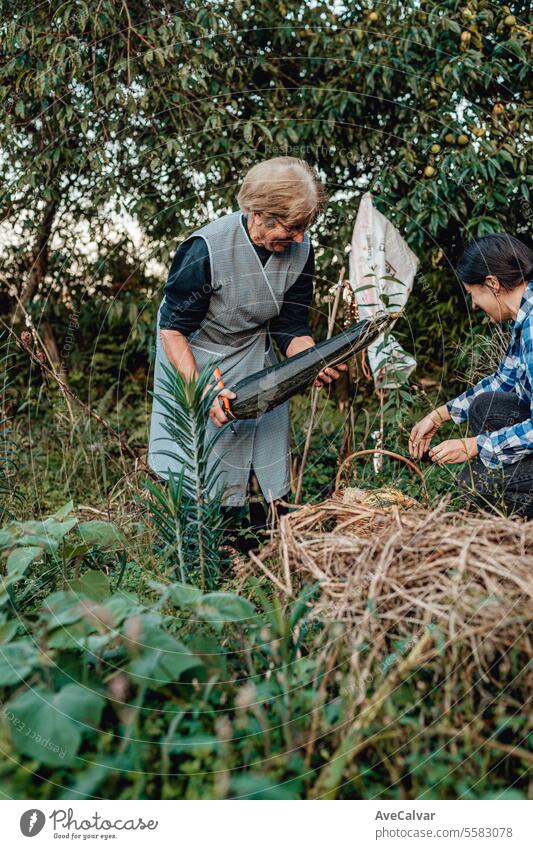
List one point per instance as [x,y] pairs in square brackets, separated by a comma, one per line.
[162,658]
[59,529]
[5,584]
[105,535]
[218,608]
[250,785]
[74,637]
[122,605]
[94,584]
[48,727]
[47,543]
[19,560]
[61,608]
[17,661]
[7,539]
[8,628]
[185,595]
[64,511]
[51,530]
[75,549]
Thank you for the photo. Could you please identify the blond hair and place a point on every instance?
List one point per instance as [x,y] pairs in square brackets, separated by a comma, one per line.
[283,187]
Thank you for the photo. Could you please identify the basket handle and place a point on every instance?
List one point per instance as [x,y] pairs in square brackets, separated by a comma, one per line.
[403,459]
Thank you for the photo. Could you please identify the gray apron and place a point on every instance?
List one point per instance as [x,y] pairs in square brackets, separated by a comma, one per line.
[233,336]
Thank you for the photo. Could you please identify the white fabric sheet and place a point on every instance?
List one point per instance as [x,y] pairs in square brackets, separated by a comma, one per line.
[382,272]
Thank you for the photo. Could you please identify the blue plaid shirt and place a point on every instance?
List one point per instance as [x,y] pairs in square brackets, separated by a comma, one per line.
[514,374]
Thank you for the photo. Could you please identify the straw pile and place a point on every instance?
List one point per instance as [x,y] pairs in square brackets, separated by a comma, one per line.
[430,609]
[390,575]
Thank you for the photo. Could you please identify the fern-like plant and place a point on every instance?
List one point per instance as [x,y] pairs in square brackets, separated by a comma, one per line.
[188,512]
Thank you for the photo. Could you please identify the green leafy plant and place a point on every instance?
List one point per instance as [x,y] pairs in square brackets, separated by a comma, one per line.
[59,544]
[186,694]
[189,516]
[169,690]
[438,131]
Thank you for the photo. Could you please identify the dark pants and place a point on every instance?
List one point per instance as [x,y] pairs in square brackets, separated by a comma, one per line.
[508,489]
[247,524]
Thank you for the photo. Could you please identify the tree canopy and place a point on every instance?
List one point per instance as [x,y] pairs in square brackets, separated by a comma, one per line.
[155,110]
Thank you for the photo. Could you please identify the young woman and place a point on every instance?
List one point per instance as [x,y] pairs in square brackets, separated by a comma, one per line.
[497,272]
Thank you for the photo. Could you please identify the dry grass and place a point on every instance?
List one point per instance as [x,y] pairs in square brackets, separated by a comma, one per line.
[389,572]
[440,597]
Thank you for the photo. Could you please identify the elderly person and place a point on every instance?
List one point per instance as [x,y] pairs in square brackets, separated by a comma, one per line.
[235,285]
[497,273]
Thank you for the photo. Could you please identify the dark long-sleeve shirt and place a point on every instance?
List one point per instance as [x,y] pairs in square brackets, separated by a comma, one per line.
[188,290]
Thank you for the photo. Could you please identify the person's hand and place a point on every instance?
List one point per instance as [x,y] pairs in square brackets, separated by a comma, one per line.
[329,374]
[422,434]
[454,451]
[216,413]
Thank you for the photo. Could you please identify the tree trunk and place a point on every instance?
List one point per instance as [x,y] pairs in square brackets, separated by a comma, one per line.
[39,259]
[49,341]
[36,275]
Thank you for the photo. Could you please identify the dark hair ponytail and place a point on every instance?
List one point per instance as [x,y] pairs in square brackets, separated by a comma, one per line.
[498,255]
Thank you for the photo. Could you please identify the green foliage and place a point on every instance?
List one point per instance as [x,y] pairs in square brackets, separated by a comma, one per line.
[426,106]
[58,543]
[338,433]
[184,694]
[103,534]
[62,716]
[117,680]
[216,608]
[189,516]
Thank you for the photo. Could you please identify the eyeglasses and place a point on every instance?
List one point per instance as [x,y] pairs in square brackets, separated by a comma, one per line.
[290,231]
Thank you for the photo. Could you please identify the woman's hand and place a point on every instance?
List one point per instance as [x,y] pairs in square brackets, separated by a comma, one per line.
[216,413]
[328,374]
[302,343]
[454,451]
[423,432]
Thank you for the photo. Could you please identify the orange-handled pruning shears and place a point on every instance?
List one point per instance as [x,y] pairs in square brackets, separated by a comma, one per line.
[225,401]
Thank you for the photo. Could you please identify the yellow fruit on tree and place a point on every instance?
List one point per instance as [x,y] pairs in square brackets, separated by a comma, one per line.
[466,36]
[435,148]
[373,16]
[498,109]
[510,21]
[449,138]
[429,171]
[462,140]
[478,131]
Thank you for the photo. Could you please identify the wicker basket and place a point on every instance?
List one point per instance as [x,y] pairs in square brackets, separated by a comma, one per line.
[381,497]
